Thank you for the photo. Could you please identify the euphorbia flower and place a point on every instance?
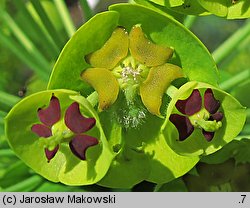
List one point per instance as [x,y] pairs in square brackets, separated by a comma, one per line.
[59,124]
[133,63]
[142,153]
[195,115]
[70,128]
[201,119]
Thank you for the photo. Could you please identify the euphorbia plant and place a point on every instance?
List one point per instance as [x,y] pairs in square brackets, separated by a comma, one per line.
[126,63]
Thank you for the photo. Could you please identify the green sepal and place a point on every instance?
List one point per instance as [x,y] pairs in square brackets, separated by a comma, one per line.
[65,167]
[232,123]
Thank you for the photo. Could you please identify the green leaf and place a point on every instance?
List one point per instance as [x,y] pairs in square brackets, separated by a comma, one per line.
[224,8]
[238,9]
[217,7]
[173,3]
[25,185]
[161,8]
[160,2]
[65,166]
[15,173]
[170,3]
[237,149]
[176,185]
[189,7]
[212,177]
[234,116]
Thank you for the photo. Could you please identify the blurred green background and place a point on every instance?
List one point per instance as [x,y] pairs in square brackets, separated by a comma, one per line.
[32,34]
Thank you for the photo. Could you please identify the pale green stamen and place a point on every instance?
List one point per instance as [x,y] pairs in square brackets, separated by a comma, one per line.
[201,120]
[60,133]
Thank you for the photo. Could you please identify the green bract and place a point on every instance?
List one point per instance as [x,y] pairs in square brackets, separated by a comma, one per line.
[230,9]
[64,166]
[141,154]
[132,132]
[124,61]
[205,132]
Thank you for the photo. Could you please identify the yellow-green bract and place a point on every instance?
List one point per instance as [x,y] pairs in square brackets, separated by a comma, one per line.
[64,167]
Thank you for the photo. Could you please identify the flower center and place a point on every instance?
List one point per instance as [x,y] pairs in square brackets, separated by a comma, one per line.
[201,120]
[60,133]
[130,74]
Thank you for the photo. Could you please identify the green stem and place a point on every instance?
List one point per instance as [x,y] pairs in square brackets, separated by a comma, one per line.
[65,16]
[8,99]
[48,24]
[235,80]
[6,152]
[88,13]
[26,185]
[189,21]
[231,43]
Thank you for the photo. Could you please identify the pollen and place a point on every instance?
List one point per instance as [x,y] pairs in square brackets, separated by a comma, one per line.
[129,72]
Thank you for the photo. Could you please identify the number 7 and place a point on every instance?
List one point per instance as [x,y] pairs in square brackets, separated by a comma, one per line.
[244,196]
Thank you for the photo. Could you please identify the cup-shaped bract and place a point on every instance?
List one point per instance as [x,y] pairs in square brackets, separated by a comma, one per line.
[201,119]
[58,134]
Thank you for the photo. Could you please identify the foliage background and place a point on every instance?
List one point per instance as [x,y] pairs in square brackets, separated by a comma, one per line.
[25,51]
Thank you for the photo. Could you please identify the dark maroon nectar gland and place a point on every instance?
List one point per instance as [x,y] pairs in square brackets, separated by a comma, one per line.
[195,116]
[53,130]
